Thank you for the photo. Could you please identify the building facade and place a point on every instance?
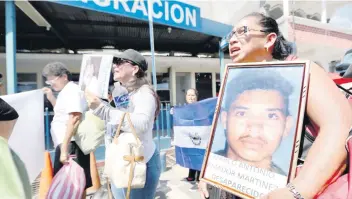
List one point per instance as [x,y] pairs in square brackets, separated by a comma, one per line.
[174,74]
[321,30]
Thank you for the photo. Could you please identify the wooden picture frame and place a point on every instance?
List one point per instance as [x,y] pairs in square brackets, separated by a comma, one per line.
[225,169]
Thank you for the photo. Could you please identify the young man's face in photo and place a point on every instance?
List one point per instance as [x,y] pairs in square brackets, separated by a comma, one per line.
[255,123]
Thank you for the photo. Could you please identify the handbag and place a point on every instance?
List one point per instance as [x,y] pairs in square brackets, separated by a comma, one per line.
[68,183]
[90,133]
[124,160]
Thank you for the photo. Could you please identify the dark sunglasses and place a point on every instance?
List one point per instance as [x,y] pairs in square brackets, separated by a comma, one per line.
[119,61]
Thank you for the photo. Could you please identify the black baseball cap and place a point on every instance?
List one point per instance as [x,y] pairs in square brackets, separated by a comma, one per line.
[135,57]
[7,112]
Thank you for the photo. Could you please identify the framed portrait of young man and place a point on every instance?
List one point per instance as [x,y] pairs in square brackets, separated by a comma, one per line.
[257,125]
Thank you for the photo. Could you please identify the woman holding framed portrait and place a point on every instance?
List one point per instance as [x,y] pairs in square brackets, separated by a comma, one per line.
[256,38]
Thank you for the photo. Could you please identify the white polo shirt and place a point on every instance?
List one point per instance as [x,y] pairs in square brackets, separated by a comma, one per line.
[70,99]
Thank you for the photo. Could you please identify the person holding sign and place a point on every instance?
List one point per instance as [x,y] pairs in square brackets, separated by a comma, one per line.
[14,181]
[69,106]
[191,97]
[91,74]
[143,106]
[256,38]
[256,116]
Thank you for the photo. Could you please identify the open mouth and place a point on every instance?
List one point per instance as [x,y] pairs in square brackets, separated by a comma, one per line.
[234,50]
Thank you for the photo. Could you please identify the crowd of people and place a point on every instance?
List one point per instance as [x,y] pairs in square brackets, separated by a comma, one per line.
[255,38]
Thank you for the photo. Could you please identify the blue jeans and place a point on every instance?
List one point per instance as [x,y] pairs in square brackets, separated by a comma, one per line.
[151,183]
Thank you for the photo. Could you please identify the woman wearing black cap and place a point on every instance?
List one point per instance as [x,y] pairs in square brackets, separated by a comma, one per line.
[8,119]
[129,68]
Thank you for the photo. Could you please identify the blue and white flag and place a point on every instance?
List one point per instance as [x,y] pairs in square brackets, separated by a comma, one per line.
[192,126]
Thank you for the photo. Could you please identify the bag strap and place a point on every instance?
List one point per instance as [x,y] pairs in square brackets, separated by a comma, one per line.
[349,175]
[109,189]
[348,146]
[133,130]
[132,159]
[119,127]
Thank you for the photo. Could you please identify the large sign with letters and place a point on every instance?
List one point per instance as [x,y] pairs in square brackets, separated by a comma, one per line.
[172,13]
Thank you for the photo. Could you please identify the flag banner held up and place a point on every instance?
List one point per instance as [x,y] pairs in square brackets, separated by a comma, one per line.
[192,126]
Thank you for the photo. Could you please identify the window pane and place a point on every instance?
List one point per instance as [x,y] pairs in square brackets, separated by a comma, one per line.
[162,80]
[26,82]
[204,85]
[218,83]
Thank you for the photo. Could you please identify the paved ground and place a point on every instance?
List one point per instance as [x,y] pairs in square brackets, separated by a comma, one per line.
[172,187]
[171,184]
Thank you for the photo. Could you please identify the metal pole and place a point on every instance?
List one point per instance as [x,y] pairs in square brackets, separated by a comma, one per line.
[168,126]
[222,65]
[10,19]
[162,119]
[323,11]
[47,129]
[157,132]
[151,35]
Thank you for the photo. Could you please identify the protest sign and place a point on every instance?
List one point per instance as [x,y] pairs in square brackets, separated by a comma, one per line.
[95,74]
[259,117]
[27,138]
[192,126]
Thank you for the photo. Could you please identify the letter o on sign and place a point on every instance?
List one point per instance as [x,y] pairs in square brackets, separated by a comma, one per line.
[173,16]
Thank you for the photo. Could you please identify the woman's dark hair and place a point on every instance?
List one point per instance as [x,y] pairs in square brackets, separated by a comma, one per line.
[142,74]
[282,47]
[157,101]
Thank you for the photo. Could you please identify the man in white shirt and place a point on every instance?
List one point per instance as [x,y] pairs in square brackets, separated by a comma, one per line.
[69,106]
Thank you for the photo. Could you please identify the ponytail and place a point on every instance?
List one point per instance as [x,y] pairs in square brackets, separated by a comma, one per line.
[282,48]
[157,103]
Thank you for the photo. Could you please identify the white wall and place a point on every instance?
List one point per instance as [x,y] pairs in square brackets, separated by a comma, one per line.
[225,11]
[180,89]
[34,63]
[230,11]
[183,83]
[29,63]
[315,46]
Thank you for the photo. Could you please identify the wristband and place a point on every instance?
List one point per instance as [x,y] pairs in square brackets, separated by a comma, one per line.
[293,190]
